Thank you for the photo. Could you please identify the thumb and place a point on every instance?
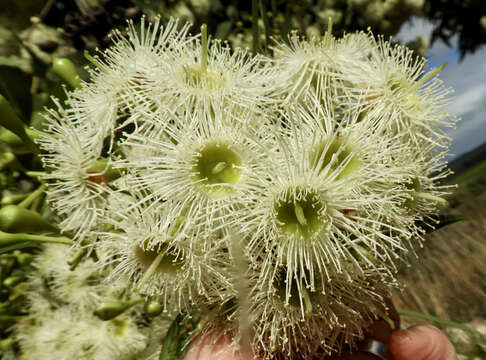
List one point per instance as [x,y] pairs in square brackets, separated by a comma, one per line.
[215,346]
[422,342]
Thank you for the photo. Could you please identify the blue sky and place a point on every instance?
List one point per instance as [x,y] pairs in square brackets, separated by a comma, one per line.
[467,77]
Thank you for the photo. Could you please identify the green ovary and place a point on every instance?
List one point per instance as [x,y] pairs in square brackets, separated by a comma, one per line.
[170,264]
[342,152]
[194,76]
[299,217]
[215,166]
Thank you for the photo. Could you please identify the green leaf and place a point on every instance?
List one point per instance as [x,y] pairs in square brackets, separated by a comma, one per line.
[18,246]
[174,345]
[442,220]
[223,30]
[15,85]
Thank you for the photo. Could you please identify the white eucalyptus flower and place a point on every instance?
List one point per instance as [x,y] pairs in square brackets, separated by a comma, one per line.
[393,84]
[161,258]
[321,209]
[77,174]
[125,71]
[331,320]
[313,65]
[202,163]
[67,334]
[202,73]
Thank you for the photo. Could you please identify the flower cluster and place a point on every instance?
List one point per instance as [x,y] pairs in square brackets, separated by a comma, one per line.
[61,323]
[282,191]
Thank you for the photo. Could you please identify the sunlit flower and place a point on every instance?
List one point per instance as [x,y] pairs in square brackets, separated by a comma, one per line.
[411,102]
[161,258]
[321,208]
[66,334]
[202,163]
[76,173]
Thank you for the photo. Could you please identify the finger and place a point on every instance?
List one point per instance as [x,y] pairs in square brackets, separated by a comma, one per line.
[360,355]
[214,346]
[421,343]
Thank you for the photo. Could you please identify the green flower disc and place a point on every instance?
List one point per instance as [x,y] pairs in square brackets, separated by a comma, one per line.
[300,218]
[216,166]
[169,264]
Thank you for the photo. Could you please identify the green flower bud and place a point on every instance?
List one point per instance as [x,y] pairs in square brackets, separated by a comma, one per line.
[6,344]
[153,308]
[24,259]
[6,265]
[11,281]
[12,199]
[15,219]
[111,309]
[15,143]
[66,70]
[10,120]
[7,159]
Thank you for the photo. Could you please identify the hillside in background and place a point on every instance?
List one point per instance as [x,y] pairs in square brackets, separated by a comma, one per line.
[469,174]
[468,160]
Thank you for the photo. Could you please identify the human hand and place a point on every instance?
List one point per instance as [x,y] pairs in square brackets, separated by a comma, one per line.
[422,342]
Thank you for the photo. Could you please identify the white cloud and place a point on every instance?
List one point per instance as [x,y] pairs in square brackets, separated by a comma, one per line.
[414,28]
[469,101]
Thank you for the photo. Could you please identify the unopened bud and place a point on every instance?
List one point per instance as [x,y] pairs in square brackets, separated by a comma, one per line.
[66,70]
[11,281]
[111,309]
[15,219]
[10,120]
[153,308]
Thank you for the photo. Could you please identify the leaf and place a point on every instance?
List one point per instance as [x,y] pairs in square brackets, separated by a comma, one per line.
[18,246]
[442,220]
[16,85]
[174,345]
[223,30]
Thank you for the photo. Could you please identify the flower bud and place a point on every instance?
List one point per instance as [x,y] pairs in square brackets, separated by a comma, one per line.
[10,120]
[13,280]
[15,143]
[6,343]
[153,308]
[111,309]
[12,199]
[7,159]
[15,219]
[24,259]
[66,70]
